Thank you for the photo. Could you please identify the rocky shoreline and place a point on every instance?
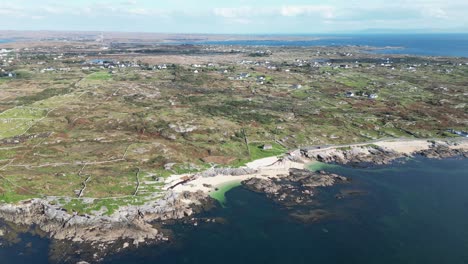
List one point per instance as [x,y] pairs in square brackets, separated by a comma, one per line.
[134,225]
[130,226]
[368,155]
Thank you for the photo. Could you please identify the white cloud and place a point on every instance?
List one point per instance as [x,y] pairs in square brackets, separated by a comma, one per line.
[262,15]
[11,10]
[286,11]
[129,2]
[298,10]
[54,10]
[435,12]
[237,12]
[139,11]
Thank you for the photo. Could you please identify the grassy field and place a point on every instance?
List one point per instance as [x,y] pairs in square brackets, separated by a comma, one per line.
[17,121]
[99,76]
[59,129]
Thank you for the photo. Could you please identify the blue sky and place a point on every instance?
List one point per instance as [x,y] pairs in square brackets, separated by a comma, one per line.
[235,16]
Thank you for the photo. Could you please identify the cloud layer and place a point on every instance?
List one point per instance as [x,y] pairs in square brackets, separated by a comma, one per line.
[210,16]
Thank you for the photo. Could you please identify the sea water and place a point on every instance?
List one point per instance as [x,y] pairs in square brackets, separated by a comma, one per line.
[412,212]
[451,45]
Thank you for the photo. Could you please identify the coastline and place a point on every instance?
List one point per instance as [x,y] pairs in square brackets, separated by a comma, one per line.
[191,193]
[301,158]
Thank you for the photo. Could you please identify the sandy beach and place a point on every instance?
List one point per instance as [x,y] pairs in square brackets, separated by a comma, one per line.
[272,167]
[267,167]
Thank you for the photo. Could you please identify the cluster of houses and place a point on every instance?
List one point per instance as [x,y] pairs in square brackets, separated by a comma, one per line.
[7,74]
[209,65]
[240,76]
[350,94]
[111,64]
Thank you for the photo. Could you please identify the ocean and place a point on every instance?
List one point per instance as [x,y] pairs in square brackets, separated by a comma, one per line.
[414,212]
[450,45]
[411,212]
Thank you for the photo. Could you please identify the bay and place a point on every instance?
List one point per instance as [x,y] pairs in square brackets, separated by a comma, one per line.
[450,45]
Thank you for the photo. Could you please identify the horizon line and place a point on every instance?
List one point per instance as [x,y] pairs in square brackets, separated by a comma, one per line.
[361,32]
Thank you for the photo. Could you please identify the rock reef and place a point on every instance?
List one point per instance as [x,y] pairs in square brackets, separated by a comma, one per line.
[297,188]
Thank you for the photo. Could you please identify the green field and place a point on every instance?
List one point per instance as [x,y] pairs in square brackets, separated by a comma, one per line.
[116,127]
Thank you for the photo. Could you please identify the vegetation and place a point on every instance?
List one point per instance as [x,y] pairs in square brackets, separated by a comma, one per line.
[112,128]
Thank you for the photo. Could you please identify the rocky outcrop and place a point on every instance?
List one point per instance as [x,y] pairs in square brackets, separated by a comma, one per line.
[296,188]
[355,155]
[369,155]
[442,151]
[133,223]
[228,171]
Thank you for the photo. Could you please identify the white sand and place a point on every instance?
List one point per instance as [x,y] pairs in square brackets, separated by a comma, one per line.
[267,167]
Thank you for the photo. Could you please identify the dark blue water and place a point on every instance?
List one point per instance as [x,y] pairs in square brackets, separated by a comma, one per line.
[411,213]
[23,249]
[415,212]
[414,44]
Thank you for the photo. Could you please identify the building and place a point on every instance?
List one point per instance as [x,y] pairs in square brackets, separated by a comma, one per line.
[267,147]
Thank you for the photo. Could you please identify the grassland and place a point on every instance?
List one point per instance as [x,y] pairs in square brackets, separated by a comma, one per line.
[114,128]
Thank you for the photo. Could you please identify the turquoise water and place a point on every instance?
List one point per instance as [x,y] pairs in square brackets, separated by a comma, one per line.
[415,212]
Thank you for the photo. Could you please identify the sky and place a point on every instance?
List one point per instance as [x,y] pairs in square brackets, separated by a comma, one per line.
[236,16]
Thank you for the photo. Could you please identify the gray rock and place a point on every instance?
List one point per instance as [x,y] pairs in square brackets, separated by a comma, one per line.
[228,171]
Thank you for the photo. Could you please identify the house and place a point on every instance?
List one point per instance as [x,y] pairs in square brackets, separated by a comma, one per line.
[349,94]
[267,147]
[296,86]
[7,74]
[372,96]
[244,75]
[162,66]
[261,79]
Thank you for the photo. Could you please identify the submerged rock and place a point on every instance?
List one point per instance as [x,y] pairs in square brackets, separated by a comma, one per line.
[312,216]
